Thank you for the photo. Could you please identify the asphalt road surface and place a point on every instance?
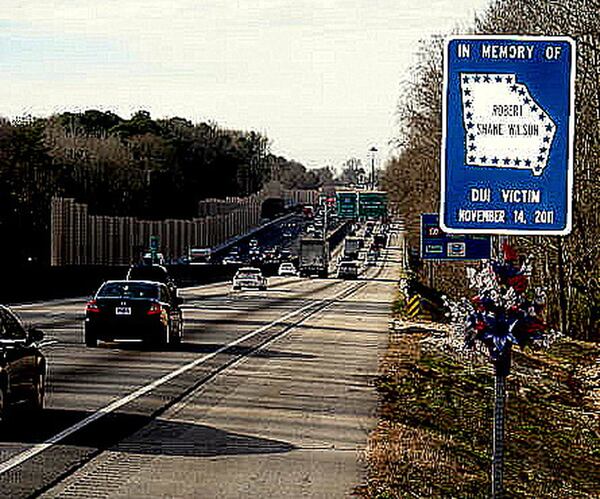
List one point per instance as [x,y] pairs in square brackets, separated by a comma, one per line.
[269,395]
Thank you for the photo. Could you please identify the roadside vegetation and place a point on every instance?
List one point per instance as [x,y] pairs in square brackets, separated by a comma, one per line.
[144,167]
[434,433]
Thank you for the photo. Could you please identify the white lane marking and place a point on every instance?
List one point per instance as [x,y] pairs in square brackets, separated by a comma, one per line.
[243,358]
[41,447]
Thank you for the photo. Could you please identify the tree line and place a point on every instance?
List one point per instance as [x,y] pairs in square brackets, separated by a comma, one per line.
[568,267]
[144,167]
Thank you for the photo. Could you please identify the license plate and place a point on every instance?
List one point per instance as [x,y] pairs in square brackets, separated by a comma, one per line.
[123,311]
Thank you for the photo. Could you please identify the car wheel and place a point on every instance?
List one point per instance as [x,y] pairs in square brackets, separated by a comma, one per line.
[90,340]
[2,405]
[39,392]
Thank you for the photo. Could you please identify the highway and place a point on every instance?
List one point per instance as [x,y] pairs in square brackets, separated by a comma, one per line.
[268,395]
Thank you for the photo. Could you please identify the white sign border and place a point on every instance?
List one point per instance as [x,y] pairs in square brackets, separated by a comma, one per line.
[570,142]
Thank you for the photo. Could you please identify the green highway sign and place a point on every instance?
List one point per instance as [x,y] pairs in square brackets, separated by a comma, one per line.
[372,204]
[347,204]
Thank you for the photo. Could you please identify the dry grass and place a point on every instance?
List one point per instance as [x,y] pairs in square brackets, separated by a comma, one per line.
[434,433]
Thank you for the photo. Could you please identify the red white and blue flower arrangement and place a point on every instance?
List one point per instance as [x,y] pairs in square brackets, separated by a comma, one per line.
[506,311]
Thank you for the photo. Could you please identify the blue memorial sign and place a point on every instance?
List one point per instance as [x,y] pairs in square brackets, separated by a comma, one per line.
[507,137]
[439,245]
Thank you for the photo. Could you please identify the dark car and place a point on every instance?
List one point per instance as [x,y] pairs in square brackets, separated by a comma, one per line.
[348,269]
[22,365]
[156,273]
[133,310]
[380,240]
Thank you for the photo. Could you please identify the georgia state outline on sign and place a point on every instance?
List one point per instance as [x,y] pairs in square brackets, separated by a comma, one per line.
[504,125]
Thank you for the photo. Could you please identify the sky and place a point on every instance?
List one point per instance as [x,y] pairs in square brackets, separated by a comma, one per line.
[321,78]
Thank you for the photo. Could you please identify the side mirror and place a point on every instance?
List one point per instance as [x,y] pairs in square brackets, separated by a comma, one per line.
[35,335]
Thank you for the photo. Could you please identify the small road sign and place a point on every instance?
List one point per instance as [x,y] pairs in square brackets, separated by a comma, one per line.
[439,245]
[154,243]
[507,139]
[347,204]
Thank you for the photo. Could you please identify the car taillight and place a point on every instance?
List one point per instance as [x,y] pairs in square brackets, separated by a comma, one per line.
[154,309]
[92,307]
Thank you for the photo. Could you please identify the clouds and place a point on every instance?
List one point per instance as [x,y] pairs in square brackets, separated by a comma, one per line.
[320,77]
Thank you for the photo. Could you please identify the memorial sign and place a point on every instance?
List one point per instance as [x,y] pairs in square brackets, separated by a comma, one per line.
[507,148]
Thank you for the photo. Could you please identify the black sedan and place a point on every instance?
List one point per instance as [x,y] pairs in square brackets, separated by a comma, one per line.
[133,310]
[22,365]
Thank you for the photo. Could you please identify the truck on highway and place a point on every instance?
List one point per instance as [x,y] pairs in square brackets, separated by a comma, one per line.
[314,257]
[352,247]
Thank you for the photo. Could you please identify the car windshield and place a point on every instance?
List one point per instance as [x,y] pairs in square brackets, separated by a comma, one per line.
[128,290]
[249,273]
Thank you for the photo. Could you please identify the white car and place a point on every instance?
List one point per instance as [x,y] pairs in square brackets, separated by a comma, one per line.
[287,268]
[249,277]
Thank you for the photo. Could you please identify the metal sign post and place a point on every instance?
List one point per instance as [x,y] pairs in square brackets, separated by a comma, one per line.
[498,438]
[507,137]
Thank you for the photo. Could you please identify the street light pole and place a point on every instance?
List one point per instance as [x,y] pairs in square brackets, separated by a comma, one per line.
[373,150]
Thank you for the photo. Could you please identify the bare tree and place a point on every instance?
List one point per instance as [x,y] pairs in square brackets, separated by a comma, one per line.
[568,266]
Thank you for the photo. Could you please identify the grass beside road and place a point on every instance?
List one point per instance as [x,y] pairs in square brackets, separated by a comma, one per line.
[433,438]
